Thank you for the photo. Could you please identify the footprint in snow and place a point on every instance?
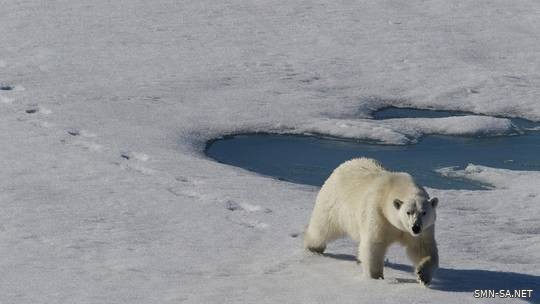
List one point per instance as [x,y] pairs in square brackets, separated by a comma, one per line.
[276,268]
[32,109]
[130,156]
[240,212]
[73,132]
[134,155]
[188,187]
[80,141]
[79,132]
[182,179]
[176,191]
[187,180]
[135,167]
[309,80]
[249,223]
[88,146]
[8,87]
[234,206]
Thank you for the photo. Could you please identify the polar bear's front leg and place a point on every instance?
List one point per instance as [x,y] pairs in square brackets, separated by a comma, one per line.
[372,258]
[425,257]
[425,270]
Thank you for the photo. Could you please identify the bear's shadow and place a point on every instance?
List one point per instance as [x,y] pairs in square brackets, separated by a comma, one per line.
[468,280]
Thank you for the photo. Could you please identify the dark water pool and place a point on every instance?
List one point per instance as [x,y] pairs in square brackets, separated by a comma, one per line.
[310,160]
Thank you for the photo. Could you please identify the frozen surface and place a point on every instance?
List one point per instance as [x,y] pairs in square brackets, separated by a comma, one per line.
[409,130]
[500,178]
[106,195]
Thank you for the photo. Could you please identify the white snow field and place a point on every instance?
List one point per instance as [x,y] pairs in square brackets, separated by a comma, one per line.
[105,107]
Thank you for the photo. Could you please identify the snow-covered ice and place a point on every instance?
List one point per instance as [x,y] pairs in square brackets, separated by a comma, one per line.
[409,130]
[154,80]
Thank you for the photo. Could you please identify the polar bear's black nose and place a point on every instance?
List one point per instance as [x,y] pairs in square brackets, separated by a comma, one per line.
[416,229]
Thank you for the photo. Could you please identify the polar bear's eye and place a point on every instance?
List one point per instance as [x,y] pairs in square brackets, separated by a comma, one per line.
[409,213]
[424,213]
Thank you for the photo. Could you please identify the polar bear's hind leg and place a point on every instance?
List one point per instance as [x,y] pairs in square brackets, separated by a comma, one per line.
[320,231]
[315,238]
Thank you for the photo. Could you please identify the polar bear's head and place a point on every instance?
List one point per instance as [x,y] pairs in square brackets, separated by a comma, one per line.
[415,214]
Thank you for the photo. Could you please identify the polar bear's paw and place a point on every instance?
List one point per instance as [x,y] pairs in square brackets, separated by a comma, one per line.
[424,271]
[316,250]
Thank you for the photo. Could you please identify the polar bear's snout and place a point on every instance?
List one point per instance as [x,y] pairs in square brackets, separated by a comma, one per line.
[416,227]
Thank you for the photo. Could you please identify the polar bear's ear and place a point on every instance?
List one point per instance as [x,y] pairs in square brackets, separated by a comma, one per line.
[434,201]
[397,203]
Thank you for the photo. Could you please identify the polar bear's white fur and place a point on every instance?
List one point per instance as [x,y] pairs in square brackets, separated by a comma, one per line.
[376,208]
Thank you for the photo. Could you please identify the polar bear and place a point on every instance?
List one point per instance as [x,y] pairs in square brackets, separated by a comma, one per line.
[376,208]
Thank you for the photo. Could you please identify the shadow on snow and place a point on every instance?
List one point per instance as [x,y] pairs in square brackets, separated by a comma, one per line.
[468,280]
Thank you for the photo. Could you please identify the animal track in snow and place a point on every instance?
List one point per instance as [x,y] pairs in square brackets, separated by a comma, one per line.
[240,213]
[249,223]
[183,192]
[8,87]
[73,132]
[90,146]
[250,208]
[134,155]
[32,109]
[81,141]
[234,206]
[182,179]
[309,80]
[138,168]
[185,187]
[279,267]
[79,132]
[130,166]
[187,180]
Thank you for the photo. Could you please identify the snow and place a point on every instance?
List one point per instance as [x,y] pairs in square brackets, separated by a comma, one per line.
[499,178]
[153,81]
[409,130]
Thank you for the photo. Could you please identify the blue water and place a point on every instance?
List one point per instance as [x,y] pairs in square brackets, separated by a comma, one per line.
[393,112]
[310,160]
